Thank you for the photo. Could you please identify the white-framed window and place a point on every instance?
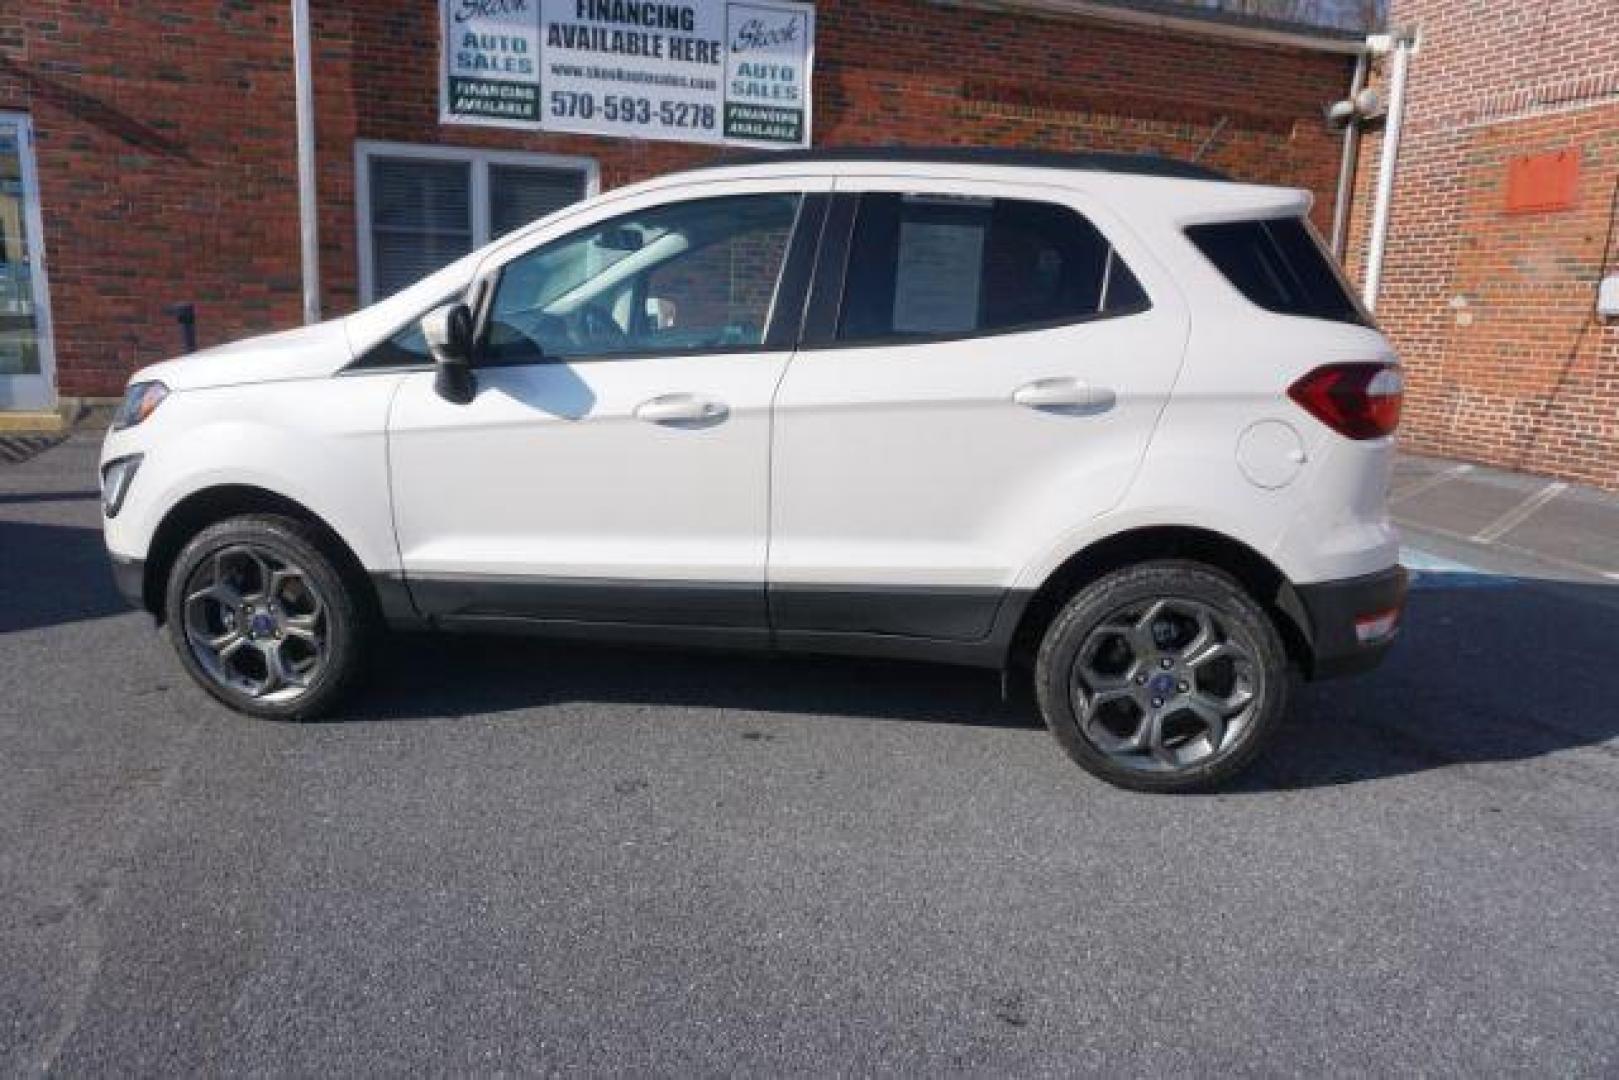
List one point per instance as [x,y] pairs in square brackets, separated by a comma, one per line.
[422,207]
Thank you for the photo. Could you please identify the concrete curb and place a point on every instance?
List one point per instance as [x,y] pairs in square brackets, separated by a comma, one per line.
[70,414]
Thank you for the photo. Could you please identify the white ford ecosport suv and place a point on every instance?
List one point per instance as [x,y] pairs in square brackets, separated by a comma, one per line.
[1112,421]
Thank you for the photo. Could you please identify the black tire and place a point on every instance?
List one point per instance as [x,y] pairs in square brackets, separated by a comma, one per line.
[348,623]
[1114,600]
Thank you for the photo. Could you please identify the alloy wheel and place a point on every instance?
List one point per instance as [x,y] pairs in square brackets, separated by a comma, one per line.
[256,623]
[1165,685]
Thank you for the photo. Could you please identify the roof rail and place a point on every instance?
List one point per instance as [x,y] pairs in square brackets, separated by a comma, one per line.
[1205,20]
[1132,164]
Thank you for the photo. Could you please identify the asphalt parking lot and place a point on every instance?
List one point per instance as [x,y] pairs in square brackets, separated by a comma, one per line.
[524,857]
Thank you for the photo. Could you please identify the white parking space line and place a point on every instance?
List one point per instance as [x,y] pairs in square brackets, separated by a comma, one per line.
[1519,514]
[1430,483]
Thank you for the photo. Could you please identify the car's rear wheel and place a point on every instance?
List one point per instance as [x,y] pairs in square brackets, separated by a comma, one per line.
[264,618]
[1162,677]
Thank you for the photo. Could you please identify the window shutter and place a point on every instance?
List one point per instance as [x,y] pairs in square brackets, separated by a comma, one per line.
[421,219]
[519,195]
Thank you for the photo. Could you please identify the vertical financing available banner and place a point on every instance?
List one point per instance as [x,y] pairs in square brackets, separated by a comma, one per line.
[705,71]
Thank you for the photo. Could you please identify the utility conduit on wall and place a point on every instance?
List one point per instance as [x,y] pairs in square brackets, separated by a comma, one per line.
[1401,45]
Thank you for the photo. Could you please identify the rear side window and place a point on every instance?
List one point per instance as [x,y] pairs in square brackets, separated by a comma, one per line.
[929,266]
[1279,265]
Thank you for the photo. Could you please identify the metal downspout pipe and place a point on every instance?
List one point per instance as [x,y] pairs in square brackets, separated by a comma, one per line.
[308,220]
[1401,45]
[1346,165]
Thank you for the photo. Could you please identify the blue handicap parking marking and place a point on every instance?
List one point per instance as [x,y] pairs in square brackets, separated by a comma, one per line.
[1419,561]
[1430,571]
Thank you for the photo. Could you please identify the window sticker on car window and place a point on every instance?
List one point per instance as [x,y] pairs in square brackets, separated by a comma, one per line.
[937,285]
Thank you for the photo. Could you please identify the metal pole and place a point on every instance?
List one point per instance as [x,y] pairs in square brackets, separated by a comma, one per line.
[186,316]
[308,222]
[1385,172]
[1346,166]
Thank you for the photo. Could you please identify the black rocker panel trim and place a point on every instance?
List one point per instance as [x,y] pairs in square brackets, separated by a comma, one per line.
[991,652]
[924,611]
[727,638]
[591,600]
[394,601]
[952,623]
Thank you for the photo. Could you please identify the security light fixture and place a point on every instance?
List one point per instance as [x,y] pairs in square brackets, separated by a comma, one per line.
[1366,105]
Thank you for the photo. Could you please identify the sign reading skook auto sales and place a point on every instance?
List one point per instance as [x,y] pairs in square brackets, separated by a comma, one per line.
[706,71]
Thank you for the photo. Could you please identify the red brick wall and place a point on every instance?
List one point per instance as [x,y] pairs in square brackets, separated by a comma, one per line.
[1493,311]
[163,135]
[166,133]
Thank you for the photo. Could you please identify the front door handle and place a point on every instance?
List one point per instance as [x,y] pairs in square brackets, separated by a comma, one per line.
[681,409]
[1064,394]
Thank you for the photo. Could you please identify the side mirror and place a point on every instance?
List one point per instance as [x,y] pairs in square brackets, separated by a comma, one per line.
[448,331]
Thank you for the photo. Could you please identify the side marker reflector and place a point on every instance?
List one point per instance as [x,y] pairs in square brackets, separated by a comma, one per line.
[1370,629]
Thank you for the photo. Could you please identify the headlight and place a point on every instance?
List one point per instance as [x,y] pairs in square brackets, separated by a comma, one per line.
[140,401]
[116,476]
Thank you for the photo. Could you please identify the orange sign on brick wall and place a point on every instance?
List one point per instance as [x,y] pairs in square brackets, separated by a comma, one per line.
[1542,182]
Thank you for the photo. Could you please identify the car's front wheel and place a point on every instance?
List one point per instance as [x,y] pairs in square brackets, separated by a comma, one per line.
[1166,676]
[264,618]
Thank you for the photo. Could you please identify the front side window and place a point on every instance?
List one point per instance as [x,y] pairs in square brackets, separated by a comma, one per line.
[689,277]
[928,266]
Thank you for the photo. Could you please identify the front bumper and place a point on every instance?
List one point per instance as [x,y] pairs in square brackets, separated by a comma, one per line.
[1335,617]
[130,577]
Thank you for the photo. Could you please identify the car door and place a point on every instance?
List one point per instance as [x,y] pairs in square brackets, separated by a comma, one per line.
[612,467]
[982,367]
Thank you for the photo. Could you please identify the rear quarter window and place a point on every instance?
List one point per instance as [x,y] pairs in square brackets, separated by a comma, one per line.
[1278,264]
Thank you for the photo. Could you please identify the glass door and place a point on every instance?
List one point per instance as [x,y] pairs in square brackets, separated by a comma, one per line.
[25,353]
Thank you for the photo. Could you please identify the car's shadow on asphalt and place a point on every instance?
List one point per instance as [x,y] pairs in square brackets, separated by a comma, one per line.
[53,574]
[426,676]
[1488,670]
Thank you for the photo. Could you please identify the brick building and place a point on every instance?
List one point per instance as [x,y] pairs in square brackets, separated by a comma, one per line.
[162,167]
[1502,227]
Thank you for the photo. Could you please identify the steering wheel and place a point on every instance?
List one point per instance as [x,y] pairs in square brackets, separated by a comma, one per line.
[592,325]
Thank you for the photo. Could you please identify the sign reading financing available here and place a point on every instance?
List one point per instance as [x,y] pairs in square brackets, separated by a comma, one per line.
[705,71]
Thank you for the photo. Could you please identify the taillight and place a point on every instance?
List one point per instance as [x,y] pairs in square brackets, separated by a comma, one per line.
[1358,401]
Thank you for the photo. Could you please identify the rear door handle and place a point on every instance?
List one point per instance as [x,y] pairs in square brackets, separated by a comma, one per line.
[681,409]
[1064,394]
